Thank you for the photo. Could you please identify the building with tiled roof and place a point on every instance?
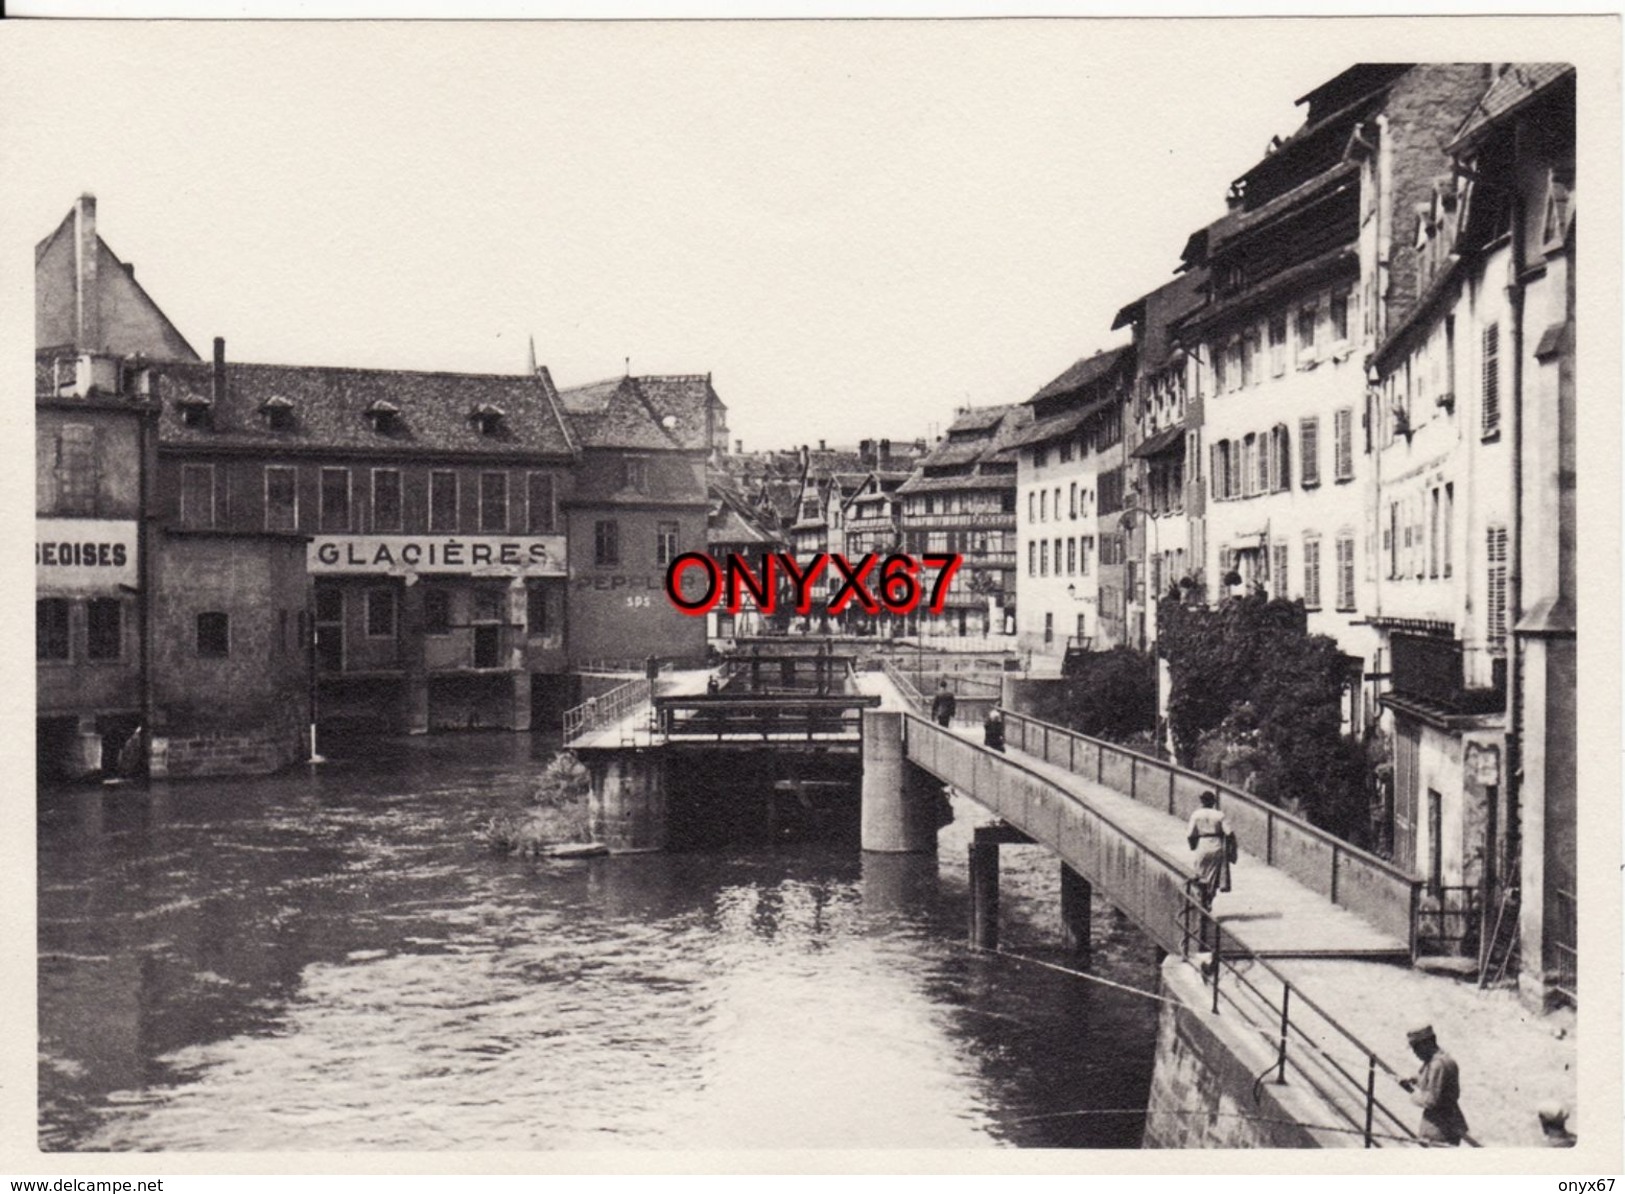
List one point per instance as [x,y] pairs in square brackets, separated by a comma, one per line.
[639,500]
[157,651]
[961,498]
[1070,491]
[1304,275]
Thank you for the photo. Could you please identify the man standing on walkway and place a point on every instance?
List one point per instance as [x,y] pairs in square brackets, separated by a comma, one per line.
[943,706]
[1436,1089]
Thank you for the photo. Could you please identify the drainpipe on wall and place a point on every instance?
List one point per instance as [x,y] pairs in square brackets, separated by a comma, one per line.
[147,430]
[1514,747]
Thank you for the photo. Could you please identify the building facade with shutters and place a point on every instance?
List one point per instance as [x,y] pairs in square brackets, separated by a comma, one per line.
[1070,493]
[1302,282]
[1474,408]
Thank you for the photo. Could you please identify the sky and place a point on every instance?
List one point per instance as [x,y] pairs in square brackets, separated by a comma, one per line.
[854,227]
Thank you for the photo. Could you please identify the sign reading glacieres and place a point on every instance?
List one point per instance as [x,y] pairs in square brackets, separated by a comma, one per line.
[84,555]
[490,555]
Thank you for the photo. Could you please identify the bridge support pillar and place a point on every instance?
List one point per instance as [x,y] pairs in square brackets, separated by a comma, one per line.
[900,801]
[984,894]
[627,806]
[1077,897]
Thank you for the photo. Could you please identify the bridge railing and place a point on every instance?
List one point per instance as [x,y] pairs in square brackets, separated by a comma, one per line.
[1155,893]
[606,710]
[1384,894]
[778,718]
[1306,1039]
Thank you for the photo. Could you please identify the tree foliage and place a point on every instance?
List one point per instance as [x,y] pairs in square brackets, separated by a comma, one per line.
[1257,700]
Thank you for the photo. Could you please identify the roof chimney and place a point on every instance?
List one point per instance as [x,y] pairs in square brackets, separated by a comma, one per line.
[217,389]
[739,447]
[823,446]
[885,451]
[88,296]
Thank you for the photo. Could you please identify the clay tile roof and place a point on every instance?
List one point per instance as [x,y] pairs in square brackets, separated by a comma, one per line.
[333,406]
[1084,372]
[1519,83]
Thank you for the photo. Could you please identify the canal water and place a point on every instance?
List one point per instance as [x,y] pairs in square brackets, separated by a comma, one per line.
[330,960]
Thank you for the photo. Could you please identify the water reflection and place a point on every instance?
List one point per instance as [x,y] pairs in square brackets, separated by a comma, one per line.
[327,960]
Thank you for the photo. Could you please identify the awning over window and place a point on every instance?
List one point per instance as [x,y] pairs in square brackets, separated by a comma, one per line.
[1162,441]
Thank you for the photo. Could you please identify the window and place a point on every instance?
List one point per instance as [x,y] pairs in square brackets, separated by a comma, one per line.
[540,510]
[1032,506]
[213,635]
[1218,369]
[1343,443]
[386,499]
[77,467]
[536,619]
[1072,557]
[1246,349]
[1496,589]
[1279,567]
[1311,573]
[1066,451]
[665,543]
[1111,491]
[1309,446]
[1340,317]
[1043,506]
[1072,500]
[1433,532]
[1449,522]
[197,496]
[606,543]
[1280,458]
[436,610]
[335,499]
[281,498]
[1041,456]
[105,628]
[1492,380]
[1306,334]
[1086,551]
[1043,558]
[1277,345]
[51,628]
[442,500]
[494,502]
[1391,540]
[1032,559]
[634,473]
[1345,572]
[380,613]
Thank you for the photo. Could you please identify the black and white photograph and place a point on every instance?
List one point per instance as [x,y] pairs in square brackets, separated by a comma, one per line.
[820,586]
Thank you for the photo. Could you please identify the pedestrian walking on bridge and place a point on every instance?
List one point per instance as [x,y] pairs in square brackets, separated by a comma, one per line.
[944,705]
[1209,836]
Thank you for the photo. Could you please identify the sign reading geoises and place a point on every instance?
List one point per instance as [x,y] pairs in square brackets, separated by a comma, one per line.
[84,555]
[492,555]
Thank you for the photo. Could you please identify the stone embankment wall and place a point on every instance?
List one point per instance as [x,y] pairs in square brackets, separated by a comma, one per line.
[1204,1092]
[257,750]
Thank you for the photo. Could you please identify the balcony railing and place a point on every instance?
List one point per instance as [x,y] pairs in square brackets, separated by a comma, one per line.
[983,521]
[1428,668]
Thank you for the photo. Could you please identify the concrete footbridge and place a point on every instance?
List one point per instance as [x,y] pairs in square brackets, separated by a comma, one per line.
[1279,1011]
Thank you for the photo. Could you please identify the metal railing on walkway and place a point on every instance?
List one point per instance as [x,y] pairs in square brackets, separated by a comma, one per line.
[1307,1040]
[1382,893]
[602,711]
[1156,895]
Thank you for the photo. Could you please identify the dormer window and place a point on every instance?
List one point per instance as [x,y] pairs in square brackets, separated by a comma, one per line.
[385,416]
[487,419]
[278,412]
[632,474]
[194,410]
